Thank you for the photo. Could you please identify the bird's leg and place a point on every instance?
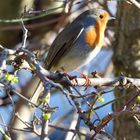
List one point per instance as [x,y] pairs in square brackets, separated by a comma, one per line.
[71,77]
[87,82]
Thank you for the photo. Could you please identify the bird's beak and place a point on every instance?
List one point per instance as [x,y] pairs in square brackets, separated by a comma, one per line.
[111,18]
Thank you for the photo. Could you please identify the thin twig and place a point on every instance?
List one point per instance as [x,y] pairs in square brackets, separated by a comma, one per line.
[68,130]
[135,3]
[13,105]
[25,31]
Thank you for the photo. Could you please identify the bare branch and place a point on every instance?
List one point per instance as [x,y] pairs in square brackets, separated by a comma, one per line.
[135,3]
[25,31]
[107,81]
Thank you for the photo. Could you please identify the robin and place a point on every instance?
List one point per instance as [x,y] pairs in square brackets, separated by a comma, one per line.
[78,43]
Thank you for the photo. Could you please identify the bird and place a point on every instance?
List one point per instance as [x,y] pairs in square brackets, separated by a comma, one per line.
[78,43]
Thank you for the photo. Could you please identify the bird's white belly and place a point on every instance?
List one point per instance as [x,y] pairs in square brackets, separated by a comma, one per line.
[76,58]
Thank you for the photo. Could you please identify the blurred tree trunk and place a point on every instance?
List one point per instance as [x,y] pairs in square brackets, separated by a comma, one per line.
[9,9]
[127,60]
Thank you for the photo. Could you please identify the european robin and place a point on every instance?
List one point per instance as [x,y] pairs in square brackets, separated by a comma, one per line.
[78,43]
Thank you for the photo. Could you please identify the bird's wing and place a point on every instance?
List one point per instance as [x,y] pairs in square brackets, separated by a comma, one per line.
[62,43]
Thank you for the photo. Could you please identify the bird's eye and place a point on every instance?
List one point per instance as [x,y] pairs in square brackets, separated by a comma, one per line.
[101,16]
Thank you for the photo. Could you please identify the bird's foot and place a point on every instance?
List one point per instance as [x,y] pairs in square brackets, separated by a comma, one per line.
[87,82]
[71,77]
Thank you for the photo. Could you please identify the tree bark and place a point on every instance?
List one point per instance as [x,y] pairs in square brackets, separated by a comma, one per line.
[127,60]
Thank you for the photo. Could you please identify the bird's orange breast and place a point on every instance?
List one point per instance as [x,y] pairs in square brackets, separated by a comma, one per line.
[95,33]
[91,36]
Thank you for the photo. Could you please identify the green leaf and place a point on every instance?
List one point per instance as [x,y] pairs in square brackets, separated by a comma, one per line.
[44,100]
[47,116]
[138,98]
[11,78]
[101,99]
[15,80]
